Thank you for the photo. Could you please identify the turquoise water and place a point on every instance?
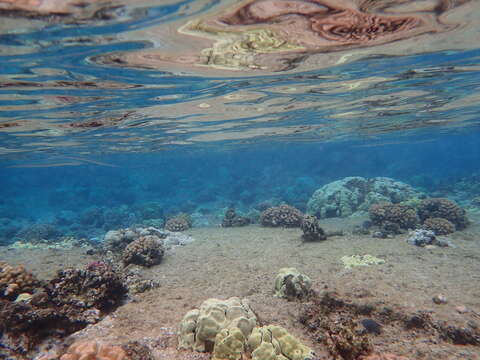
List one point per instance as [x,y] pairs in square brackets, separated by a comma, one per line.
[79,134]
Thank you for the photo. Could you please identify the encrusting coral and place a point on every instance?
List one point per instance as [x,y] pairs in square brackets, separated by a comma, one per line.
[15,280]
[146,251]
[283,215]
[93,350]
[181,222]
[311,229]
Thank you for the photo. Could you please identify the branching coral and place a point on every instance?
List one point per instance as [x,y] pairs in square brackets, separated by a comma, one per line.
[180,222]
[439,226]
[393,217]
[445,209]
[283,215]
[15,280]
[146,250]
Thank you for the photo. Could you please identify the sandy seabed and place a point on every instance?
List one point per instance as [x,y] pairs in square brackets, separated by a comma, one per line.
[243,262]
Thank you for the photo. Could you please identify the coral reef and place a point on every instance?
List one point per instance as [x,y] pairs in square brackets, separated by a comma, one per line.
[311,229]
[275,343]
[392,218]
[199,327]
[38,233]
[146,251]
[72,300]
[15,280]
[97,286]
[283,215]
[117,240]
[291,284]
[232,219]
[137,351]
[178,223]
[360,260]
[439,226]
[445,209]
[331,321]
[151,210]
[93,350]
[344,197]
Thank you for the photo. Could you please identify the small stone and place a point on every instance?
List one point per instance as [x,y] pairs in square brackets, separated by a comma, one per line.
[439,299]
[462,309]
[472,324]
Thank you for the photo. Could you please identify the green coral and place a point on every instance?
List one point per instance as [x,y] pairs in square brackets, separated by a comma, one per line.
[360,260]
[275,343]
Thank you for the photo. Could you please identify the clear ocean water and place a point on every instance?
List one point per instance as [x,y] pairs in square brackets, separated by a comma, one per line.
[92,141]
[78,134]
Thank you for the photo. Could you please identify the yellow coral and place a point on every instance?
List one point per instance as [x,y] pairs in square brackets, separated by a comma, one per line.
[275,343]
[229,344]
[199,328]
[15,279]
[360,260]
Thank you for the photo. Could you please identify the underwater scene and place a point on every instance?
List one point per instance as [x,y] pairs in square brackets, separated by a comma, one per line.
[239,179]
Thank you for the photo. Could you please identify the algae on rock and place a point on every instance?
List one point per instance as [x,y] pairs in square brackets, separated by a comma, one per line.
[291,284]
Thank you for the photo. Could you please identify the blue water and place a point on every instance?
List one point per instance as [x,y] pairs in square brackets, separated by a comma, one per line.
[409,124]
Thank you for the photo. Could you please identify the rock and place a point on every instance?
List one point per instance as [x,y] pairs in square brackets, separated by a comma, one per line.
[311,229]
[421,237]
[291,284]
[439,299]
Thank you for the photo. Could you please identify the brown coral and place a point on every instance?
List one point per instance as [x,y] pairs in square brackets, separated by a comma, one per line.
[232,219]
[137,351]
[146,251]
[393,217]
[15,280]
[311,229]
[283,215]
[439,226]
[180,222]
[383,356]
[93,350]
[445,209]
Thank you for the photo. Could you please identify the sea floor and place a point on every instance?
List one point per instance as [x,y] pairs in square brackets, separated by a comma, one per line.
[243,262]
